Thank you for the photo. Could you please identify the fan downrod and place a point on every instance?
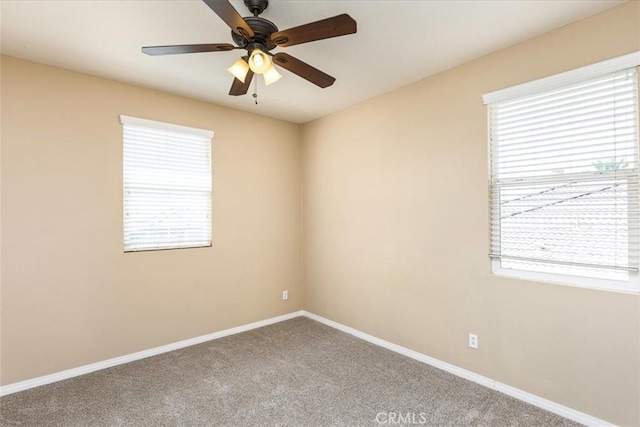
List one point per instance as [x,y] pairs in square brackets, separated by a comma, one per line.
[256,7]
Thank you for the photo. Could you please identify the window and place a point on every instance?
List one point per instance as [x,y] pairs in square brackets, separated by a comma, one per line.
[564,178]
[167,185]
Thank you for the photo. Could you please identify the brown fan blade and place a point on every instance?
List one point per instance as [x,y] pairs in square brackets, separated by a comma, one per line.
[230,16]
[304,70]
[239,88]
[337,26]
[187,48]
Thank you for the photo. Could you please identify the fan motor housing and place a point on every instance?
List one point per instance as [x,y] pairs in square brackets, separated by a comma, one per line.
[262,30]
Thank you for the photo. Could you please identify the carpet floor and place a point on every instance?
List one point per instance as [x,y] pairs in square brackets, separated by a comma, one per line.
[294,373]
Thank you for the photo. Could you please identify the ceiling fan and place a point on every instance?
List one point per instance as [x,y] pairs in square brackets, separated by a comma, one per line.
[259,36]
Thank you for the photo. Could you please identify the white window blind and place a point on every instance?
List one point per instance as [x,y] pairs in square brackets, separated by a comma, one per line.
[167,185]
[564,180]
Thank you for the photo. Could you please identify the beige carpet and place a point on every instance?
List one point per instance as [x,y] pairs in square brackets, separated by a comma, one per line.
[294,373]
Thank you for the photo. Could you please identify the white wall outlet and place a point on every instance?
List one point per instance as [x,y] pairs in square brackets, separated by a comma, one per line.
[285,295]
[473,341]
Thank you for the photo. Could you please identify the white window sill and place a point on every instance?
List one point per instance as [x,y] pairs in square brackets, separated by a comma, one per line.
[631,286]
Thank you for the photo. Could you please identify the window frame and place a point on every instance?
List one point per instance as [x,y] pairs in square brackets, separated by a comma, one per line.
[187,132]
[632,284]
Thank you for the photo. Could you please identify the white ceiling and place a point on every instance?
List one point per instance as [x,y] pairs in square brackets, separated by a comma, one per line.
[398,42]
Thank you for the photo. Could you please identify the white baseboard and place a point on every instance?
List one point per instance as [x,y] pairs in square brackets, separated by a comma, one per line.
[70,373]
[540,402]
[532,399]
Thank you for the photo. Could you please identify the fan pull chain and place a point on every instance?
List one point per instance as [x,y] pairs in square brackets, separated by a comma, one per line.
[255,90]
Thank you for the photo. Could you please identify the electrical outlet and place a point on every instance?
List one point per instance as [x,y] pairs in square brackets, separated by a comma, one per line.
[285,295]
[473,341]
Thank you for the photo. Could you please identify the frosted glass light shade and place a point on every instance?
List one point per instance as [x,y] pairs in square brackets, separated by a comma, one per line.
[259,61]
[271,75]
[239,69]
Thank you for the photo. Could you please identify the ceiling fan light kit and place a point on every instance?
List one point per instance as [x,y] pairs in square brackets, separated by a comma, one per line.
[258,36]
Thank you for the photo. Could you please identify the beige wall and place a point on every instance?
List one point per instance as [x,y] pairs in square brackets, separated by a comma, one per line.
[70,296]
[396,233]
